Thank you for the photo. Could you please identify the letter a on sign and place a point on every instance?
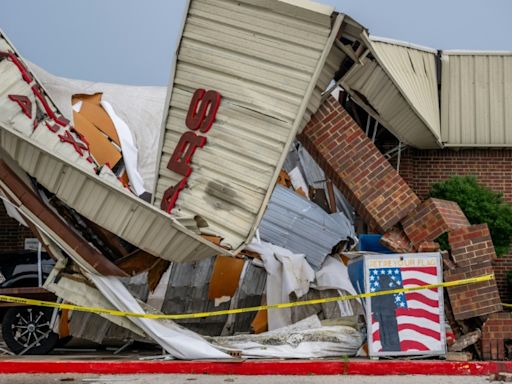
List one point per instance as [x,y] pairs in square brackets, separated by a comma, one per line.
[180,159]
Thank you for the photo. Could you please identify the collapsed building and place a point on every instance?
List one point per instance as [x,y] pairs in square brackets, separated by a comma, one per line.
[186,217]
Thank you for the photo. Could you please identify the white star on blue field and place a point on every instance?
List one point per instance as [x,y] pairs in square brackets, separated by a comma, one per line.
[395,283]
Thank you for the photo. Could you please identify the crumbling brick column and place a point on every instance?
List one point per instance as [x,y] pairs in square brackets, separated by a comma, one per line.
[372,186]
[472,251]
[433,218]
[495,331]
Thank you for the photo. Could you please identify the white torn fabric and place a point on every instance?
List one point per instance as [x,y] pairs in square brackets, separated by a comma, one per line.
[13,212]
[334,275]
[298,181]
[130,153]
[177,341]
[140,107]
[302,340]
[157,297]
[287,272]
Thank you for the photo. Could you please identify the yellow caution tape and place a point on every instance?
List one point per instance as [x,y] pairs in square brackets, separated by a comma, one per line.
[113,312]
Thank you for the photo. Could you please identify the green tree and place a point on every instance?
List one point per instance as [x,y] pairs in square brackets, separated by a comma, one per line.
[480,205]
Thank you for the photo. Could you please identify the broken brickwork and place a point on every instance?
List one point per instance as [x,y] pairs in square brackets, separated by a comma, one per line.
[492,167]
[495,331]
[372,186]
[12,233]
[431,219]
[429,246]
[472,252]
[397,241]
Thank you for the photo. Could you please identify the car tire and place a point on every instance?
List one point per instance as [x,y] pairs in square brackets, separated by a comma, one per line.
[22,326]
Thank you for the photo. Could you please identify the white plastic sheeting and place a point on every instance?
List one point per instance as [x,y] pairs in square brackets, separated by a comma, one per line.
[13,213]
[177,341]
[130,152]
[286,273]
[302,340]
[140,107]
[334,275]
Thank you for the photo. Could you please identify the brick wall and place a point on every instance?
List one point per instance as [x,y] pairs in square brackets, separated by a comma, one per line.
[371,185]
[492,167]
[496,330]
[431,219]
[12,234]
[472,253]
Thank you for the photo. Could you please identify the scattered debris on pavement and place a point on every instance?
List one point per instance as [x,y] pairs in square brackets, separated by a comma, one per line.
[252,193]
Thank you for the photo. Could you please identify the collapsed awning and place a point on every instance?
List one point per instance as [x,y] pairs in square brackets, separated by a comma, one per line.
[396,83]
[44,144]
[247,76]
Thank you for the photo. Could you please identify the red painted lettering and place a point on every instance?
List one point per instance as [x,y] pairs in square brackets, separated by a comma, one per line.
[25,104]
[61,120]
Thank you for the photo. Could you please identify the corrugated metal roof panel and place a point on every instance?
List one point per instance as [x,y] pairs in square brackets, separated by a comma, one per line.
[373,89]
[398,86]
[187,292]
[414,72]
[60,168]
[293,222]
[265,58]
[476,94]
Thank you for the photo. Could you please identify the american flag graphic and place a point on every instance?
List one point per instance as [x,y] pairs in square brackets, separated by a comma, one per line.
[405,322]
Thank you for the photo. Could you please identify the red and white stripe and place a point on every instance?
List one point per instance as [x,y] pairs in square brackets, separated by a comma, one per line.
[419,326]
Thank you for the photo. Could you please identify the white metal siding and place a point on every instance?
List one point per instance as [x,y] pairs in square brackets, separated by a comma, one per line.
[262,57]
[332,64]
[476,94]
[101,199]
[400,84]
[394,112]
[414,72]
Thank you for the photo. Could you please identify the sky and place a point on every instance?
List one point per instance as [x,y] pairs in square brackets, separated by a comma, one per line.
[133,41]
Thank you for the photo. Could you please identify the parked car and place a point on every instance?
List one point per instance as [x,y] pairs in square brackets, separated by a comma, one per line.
[26,329]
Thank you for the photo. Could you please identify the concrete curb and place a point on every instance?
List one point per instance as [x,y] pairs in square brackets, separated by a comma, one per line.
[257,367]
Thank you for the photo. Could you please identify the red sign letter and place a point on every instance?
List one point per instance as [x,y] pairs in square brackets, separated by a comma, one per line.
[171,195]
[180,159]
[24,103]
[203,110]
